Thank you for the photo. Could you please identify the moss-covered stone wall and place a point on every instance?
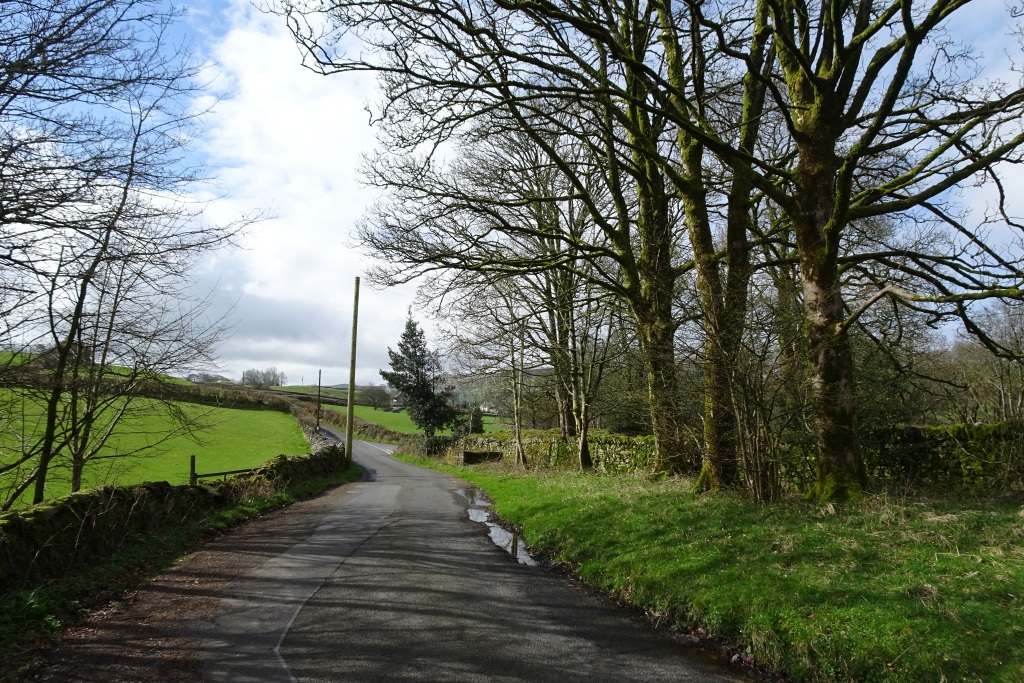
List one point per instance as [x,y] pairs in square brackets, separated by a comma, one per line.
[967,457]
[610,453]
[44,542]
[975,458]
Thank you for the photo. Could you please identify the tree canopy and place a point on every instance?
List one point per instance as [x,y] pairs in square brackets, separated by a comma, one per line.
[714,149]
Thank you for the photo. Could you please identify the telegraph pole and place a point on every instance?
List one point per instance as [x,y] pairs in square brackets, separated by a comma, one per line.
[351,413]
[319,377]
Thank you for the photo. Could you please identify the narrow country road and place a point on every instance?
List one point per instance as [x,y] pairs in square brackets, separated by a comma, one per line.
[397,584]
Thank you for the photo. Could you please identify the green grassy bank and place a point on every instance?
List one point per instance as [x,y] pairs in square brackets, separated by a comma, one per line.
[883,590]
[233,439]
[396,422]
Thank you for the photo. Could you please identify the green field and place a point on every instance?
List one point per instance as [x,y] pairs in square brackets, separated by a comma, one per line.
[400,422]
[396,422]
[14,357]
[230,439]
[234,439]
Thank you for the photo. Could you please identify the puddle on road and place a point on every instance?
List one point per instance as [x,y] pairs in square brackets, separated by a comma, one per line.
[510,543]
[504,539]
[475,497]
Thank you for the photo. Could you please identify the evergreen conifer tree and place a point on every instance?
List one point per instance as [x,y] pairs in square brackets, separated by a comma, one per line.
[416,374]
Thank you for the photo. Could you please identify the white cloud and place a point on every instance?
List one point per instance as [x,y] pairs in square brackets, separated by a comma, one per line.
[287,141]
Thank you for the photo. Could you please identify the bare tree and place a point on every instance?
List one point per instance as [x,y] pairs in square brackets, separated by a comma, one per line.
[264,379]
[377,396]
[642,242]
[95,227]
[872,115]
[565,316]
[975,386]
[487,333]
[544,204]
[607,70]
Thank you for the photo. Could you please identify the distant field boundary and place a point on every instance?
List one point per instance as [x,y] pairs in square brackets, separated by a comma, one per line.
[311,398]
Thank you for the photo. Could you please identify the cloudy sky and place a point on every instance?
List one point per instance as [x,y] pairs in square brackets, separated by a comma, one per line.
[287,142]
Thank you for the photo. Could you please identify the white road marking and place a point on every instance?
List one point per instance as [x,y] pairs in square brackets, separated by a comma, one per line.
[384,448]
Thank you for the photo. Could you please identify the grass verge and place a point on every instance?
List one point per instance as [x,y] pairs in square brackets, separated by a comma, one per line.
[888,589]
[28,618]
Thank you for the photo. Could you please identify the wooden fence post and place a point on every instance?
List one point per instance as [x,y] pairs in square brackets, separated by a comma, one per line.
[192,478]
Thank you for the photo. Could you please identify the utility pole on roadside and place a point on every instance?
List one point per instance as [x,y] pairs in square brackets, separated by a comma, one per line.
[319,376]
[350,417]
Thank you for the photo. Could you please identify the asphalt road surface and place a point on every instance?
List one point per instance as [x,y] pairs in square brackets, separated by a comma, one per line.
[398,584]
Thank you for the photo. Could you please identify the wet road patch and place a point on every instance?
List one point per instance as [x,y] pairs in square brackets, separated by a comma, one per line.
[509,541]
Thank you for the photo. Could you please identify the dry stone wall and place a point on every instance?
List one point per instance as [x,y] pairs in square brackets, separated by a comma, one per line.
[46,541]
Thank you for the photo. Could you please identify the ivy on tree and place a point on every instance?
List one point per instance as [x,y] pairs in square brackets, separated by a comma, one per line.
[416,374]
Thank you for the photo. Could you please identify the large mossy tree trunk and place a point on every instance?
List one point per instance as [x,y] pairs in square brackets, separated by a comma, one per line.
[645,242]
[819,210]
[839,471]
[719,467]
[719,464]
[839,468]
[653,300]
[722,288]
[658,341]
